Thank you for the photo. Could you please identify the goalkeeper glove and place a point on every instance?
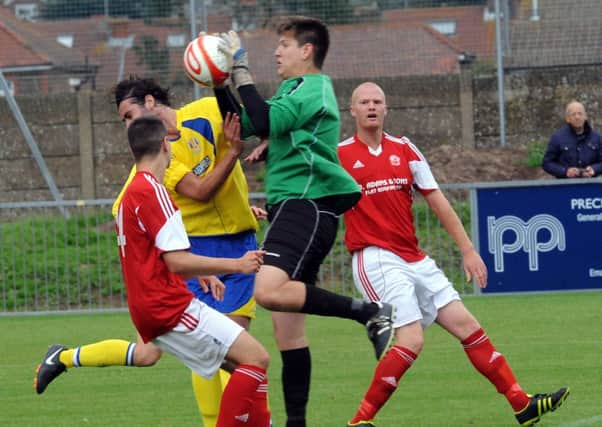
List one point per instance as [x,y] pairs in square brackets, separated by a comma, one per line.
[240,68]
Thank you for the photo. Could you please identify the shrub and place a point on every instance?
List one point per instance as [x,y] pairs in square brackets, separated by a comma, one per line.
[535,152]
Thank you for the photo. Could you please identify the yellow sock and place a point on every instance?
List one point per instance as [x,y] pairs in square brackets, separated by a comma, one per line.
[224,377]
[208,394]
[102,353]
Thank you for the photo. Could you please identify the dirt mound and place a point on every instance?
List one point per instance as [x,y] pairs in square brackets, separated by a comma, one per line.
[454,165]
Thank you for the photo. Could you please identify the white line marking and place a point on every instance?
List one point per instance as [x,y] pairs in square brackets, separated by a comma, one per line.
[585,422]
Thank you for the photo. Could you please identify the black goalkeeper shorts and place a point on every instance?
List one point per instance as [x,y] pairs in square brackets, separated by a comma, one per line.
[300,235]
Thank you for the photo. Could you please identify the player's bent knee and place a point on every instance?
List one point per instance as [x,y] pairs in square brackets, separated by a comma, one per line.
[256,356]
[261,358]
[146,355]
[246,350]
[268,284]
[265,298]
[411,337]
[416,344]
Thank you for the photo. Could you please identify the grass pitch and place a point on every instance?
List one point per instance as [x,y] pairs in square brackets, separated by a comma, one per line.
[550,340]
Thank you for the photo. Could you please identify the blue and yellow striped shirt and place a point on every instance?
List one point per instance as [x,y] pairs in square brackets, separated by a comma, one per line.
[200,147]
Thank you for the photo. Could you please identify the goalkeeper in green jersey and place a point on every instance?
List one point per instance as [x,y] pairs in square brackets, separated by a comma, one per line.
[307,190]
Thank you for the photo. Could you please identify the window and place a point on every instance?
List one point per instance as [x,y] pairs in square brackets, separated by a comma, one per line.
[65,39]
[125,42]
[27,11]
[11,88]
[447,28]
[175,40]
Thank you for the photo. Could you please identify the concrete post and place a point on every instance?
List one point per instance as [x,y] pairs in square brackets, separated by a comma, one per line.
[466,105]
[86,145]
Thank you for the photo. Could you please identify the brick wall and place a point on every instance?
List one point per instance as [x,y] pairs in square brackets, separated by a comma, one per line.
[81,138]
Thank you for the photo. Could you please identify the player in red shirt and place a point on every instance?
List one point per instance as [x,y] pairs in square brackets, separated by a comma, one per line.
[389,266]
[153,249]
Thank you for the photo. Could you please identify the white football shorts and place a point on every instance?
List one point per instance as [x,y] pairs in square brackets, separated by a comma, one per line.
[202,338]
[416,289]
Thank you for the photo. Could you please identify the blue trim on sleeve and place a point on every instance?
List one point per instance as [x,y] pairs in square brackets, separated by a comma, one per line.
[203,127]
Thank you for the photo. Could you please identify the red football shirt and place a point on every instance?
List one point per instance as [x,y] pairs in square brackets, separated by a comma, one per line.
[148,224]
[383,217]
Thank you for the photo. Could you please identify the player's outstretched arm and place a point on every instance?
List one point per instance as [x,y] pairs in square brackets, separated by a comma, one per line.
[226,101]
[255,105]
[190,265]
[240,59]
[204,188]
[474,267]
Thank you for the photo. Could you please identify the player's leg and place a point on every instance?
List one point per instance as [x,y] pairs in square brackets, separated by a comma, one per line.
[214,339]
[247,388]
[208,392]
[289,332]
[381,275]
[208,395]
[389,371]
[112,352]
[238,303]
[455,318]
[300,236]
[492,364]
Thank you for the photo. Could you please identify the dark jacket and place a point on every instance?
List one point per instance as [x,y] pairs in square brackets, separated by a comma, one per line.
[567,149]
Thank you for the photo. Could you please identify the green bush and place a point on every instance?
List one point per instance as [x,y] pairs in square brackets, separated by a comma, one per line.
[535,152]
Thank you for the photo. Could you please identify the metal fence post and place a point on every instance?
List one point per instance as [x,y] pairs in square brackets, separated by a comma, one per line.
[500,73]
[33,146]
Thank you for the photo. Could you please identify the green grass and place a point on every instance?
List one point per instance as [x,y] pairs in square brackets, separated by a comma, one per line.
[49,263]
[550,340]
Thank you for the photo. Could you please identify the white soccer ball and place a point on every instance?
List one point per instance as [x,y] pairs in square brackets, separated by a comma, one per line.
[205,63]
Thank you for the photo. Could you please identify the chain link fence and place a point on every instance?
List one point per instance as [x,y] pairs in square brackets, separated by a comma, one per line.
[65,45]
[66,259]
[52,261]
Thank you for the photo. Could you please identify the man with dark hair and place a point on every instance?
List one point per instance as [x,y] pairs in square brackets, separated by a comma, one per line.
[206,180]
[307,190]
[153,250]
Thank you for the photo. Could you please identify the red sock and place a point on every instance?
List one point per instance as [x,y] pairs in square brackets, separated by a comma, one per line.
[386,377]
[239,396]
[495,368]
[260,412]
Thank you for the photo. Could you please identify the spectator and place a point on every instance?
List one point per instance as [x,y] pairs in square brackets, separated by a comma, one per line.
[574,150]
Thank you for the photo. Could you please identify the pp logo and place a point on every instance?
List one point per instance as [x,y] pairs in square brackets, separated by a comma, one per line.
[525,237]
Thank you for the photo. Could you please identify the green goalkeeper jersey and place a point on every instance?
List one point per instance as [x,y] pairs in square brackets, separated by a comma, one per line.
[302,160]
